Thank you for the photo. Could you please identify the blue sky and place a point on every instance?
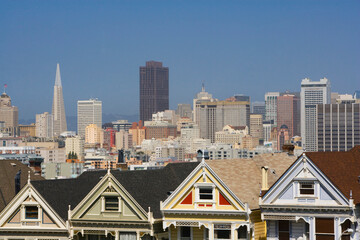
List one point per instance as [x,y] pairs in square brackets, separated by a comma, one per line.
[247,47]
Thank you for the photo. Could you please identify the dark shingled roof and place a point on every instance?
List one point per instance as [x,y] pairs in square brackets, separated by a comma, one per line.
[8,170]
[147,187]
[342,168]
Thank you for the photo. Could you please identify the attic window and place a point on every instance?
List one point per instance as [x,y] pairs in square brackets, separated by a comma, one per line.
[31,212]
[111,203]
[307,188]
[205,193]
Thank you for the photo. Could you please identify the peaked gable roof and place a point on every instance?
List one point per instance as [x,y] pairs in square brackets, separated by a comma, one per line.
[342,169]
[243,176]
[202,171]
[8,170]
[147,187]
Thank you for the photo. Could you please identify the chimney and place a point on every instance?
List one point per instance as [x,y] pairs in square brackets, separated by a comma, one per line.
[264,178]
[17,182]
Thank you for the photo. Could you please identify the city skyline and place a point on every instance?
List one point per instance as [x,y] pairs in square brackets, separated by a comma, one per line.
[233,44]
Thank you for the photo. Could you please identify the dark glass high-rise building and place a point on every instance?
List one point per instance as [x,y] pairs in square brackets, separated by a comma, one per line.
[154,89]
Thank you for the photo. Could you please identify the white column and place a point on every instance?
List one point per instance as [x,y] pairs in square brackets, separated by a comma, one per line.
[211,231]
[234,233]
[312,228]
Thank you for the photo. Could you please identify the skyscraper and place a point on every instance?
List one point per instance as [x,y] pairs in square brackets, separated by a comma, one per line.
[338,126]
[8,114]
[89,112]
[288,113]
[44,125]
[58,108]
[154,89]
[312,93]
[212,115]
[271,106]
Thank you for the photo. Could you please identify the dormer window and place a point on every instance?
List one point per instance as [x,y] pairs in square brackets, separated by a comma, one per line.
[31,212]
[111,203]
[206,193]
[307,188]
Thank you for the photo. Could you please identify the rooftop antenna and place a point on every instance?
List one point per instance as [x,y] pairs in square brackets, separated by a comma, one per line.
[5,86]
[202,86]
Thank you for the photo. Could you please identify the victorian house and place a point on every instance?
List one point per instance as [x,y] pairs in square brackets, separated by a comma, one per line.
[318,197]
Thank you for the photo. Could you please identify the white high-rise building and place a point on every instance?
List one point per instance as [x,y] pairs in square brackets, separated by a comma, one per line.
[88,112]
[58,108]
[312,93]
[271,106]
[44,125]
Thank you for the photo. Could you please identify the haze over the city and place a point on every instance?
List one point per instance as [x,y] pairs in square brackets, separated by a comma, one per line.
[245,47]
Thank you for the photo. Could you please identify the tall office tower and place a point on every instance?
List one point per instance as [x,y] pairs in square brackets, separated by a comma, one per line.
[154,89]
[8,114]
[258,108]
[58,108]
[288,113]
[271,106]
[44,125]
[213,116]
[89,112]
[256,126]
[338,126]
[312,93]
[200,98]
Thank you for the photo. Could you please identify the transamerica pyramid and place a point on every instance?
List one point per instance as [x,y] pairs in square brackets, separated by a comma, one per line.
[58,108]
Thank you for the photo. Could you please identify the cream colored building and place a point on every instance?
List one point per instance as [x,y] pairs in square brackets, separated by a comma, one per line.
[123,140]
[57,155]
[89,112]
[8,113]
[256,126]
[231,134]
[138,133]
[44,125]
[249,142]
[27,130]
[94,134]
[76,145]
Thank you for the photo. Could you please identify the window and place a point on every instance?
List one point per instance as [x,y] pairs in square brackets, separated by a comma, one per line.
[307,188]
[111,204]
[222,234]
[31,212]
[185,233]
[284,233]
[205,193]
[242,232]
[324,228]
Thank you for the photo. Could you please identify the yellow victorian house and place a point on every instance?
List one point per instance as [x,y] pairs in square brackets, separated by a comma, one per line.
[220,199]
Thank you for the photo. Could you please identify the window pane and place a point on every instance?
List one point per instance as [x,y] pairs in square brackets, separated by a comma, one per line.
[31,212]
[206,193]
[185,232]
[222,234]
[111,203]
[242,232]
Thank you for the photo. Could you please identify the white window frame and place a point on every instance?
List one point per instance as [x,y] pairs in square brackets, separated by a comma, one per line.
[314,195]
[103,202]
[23,212]
[197,192]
